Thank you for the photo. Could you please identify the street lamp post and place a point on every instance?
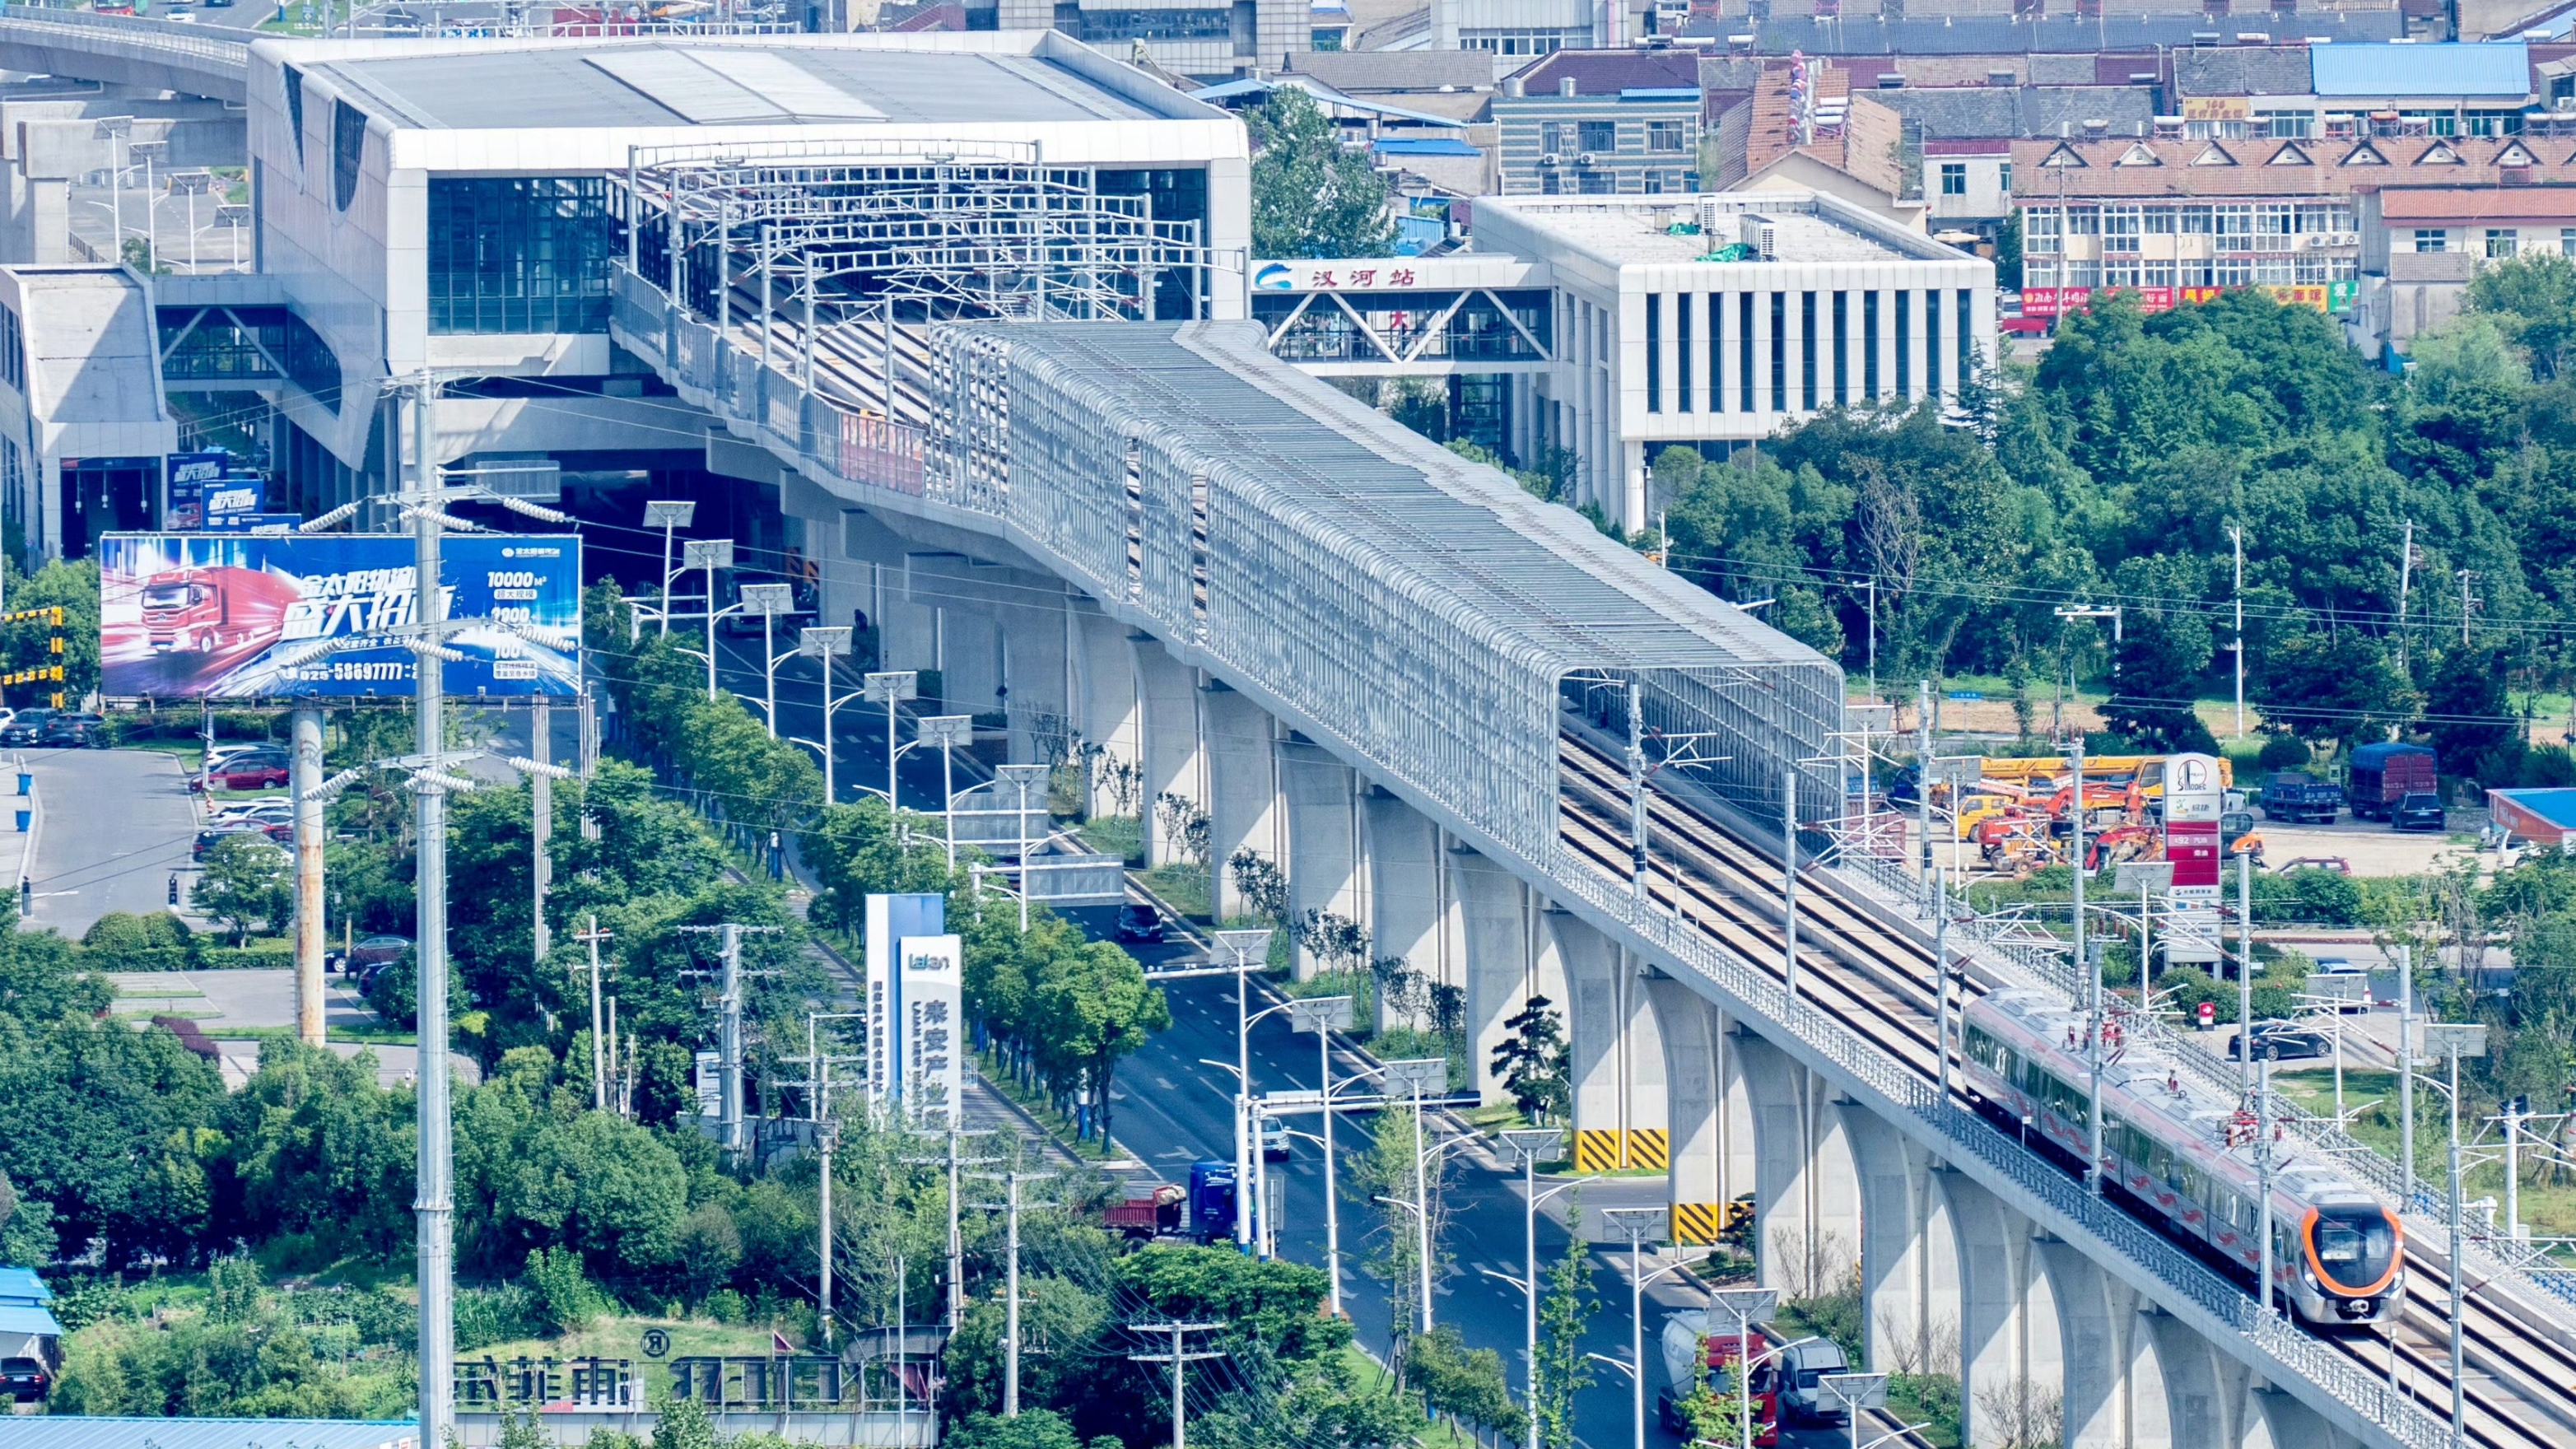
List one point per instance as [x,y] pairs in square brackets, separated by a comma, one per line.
[891,687]
[769,601]
[1638,1224]
[824,645]
[951,732]
[1749,1306]
[709,554]
[1418,1078]
[670,516]
[1531,1145]
[1855,1392]
[1244,947]
[1324,1015]
[1021,778]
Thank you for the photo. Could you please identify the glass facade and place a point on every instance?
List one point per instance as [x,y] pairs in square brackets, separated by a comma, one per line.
[519,254]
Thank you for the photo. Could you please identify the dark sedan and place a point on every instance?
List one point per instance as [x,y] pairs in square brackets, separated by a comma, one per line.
[70,731]
[25,1379]
[24,729]
[1139,923]
[221,831]
[2281,1044]
[2420,810]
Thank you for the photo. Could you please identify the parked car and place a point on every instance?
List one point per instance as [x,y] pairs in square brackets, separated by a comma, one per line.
[2335,863]
[26,1380]
[2281,1042]
[252,770]
[268,809]
[2291,796]
[1139,923]
[2337,966]
[1274,1140]
[23,728]
[373,953]
[223,830]
[71,731]
[2420,810]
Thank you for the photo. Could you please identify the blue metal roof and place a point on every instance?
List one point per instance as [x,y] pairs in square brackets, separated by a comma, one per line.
[2492,69]
[1427,146]
[1659,93]
[72,1431]
[21,1285]
[2557,806]
[29,1320]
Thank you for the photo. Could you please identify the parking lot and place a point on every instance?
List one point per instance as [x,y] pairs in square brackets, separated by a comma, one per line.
[222,1002]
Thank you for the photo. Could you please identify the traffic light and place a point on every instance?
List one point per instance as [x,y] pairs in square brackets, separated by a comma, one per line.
[174,890]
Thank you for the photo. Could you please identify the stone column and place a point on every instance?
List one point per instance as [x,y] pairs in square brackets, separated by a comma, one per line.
[1109,714]
[1243,789]
[1409,898]
[1494,931]
[1327,869]
[1806,1201]
[1617,1052]
[1167,709]
[1709,1129]
[1034,627]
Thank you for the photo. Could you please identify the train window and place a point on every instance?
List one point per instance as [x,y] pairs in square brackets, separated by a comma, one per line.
[2337,1243]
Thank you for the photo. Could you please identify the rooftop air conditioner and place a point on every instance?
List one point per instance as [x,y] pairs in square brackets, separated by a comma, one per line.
[1760,235]
[1551,159]
[1583,160]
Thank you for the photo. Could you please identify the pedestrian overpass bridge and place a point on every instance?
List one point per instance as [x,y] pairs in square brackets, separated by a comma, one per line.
[1389,671]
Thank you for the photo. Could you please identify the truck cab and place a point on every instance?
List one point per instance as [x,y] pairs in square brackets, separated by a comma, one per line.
[1211,1201]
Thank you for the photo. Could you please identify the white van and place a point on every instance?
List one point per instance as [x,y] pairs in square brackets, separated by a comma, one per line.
[1802,1398]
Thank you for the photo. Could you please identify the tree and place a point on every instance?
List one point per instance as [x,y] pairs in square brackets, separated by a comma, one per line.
[1311,195]
[249,881]
[1093,1007]
[1562,1371]
[2331,686]
[2533,297]
[2161,659]
[1534,1061]
[2465,710]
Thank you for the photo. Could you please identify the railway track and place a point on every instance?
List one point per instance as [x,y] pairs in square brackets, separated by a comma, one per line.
[2520,1387]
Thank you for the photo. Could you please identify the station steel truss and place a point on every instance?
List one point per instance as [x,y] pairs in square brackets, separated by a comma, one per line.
[1439,630]
[819,234]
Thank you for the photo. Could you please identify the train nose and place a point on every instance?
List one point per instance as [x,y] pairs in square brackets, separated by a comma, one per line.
[2357,1309]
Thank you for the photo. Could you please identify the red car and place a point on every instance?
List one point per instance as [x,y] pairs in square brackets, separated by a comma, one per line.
[259,771]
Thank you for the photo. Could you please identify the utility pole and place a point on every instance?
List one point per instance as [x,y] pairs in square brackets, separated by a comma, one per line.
[1176,1358]
[729,1034]
[434,1201]
[1528,1143]
[600,1051]
[2406,1069]
[1011,1280]
[2467,602]
[2091,966]
[541,817]
[669,516]
[2456,1040]
[2263,1170]
[309,908]
[1637,793]
[1789,878]
[2244,970]
[2405,578]
[956,1237]
[2236,536]
[1923,780]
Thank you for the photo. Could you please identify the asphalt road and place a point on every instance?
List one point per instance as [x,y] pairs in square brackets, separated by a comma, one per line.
[117,825]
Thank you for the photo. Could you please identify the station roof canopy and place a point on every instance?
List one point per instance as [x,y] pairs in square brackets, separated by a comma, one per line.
[2496,70]
[70,1431]
[1008,78]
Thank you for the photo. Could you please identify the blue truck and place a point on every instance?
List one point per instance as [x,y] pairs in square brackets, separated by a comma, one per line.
[1211,1201]
[2291,796]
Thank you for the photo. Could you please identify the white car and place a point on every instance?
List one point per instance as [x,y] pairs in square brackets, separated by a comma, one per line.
[1274,1140]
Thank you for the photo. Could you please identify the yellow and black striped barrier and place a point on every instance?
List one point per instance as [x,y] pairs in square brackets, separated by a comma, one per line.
[1607,1149]
[1697,1223]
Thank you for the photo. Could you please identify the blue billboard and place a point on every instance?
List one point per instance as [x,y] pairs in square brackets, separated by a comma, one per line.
[258,616]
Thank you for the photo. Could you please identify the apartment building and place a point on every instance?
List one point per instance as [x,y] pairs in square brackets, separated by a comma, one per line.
[2420,245]
[1601,123]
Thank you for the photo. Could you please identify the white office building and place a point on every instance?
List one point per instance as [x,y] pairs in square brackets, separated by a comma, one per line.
[449,204]
[1817,304]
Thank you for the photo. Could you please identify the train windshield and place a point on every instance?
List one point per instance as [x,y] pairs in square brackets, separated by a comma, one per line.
[2355,1247]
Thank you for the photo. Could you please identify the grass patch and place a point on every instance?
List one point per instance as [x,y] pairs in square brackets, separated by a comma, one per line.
[1931,1400]
[1119,835]
[350,1035]
[1183,887]
[624,1338]
[146,1016]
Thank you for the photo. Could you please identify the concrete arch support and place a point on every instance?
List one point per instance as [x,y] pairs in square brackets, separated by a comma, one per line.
[1709,1128]
[1327,863]
[1908,1259]
[2010,1346]
[1108,714]
[1409,900]
[2204,1389]
[2113,1377]
[1168,748]
[1243,805]
[1036,688]
[1496,938]
[1617,1052]
[1806,1204]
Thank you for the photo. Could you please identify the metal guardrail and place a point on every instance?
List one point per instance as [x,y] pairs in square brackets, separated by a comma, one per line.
[691,355]
[2422,1217]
